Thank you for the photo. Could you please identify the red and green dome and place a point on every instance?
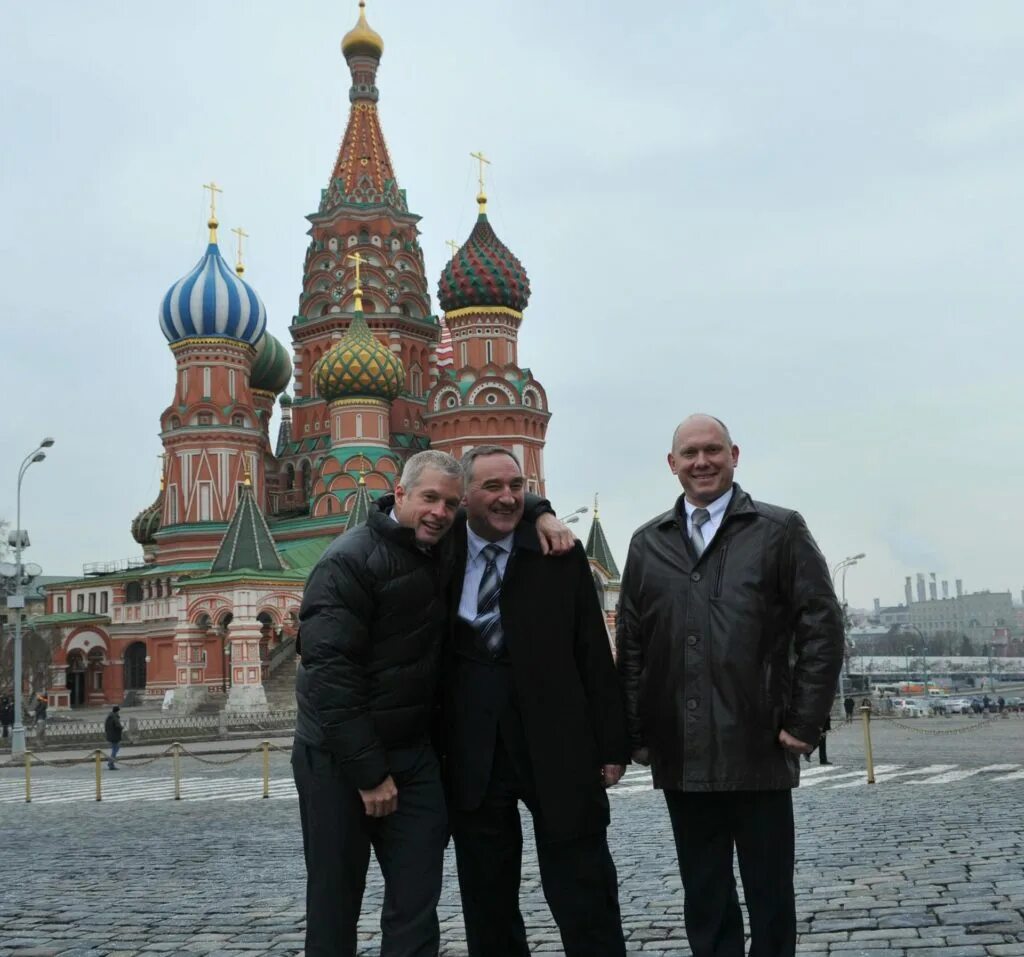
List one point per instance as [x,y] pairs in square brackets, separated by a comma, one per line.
[146,524]
[484,272]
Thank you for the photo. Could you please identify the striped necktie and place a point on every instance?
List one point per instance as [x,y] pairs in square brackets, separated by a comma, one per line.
[699,518]
[488,615]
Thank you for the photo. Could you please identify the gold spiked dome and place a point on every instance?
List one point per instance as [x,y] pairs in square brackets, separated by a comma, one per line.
[362,39]
[359,365]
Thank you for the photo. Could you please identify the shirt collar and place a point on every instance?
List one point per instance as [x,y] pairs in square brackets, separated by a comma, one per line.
[716,509]
[477,544]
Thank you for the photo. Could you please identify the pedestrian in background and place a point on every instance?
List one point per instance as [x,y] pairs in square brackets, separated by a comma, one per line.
[6,714]
[848,706]
[42,704]
[113,730]
[822,748]
[717,594]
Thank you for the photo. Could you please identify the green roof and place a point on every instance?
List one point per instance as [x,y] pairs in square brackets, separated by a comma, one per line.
[247,543]
[303,554]
[598,550]
[360,510]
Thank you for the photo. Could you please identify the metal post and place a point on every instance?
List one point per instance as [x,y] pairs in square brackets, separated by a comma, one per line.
[865,713]
[177,771]
[98,756]
[266,769]
[28,777]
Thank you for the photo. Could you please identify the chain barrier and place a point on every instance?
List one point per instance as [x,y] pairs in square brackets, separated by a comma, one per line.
[176,751]
[962,729]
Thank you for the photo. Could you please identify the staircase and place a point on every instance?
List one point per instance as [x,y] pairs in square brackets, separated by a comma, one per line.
[280,684]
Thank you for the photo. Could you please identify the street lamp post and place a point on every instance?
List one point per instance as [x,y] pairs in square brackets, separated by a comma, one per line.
[842,566]
[17,601]
[924,653]
[574,516]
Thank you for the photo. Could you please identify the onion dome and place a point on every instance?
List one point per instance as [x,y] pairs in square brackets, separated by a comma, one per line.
[484,272]
[362,39]
[211,301]
[286,401]
[272,367]
[359,365]
[146,524]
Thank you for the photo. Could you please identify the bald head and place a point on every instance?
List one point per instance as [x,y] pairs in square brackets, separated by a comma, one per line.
[703,458]
[701,418]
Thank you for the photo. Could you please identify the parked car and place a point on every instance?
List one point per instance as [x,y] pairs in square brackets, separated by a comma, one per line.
[958,705]
[909,708]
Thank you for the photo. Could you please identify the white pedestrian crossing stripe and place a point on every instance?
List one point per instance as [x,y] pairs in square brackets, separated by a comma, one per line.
[62,788]
[835,776]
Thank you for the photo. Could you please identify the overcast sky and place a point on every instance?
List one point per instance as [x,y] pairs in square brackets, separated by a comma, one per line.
[806,218]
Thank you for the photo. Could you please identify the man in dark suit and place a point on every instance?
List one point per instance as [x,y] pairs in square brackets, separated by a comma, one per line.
[533,712]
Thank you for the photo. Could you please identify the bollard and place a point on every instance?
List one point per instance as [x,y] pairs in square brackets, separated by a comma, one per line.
[266,769]
[865,713]
[98,756]
[177,771]
[28,777]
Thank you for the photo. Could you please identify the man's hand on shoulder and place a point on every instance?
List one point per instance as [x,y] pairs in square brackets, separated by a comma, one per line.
[381,800]
[555,537]
[612,773]
[795,745]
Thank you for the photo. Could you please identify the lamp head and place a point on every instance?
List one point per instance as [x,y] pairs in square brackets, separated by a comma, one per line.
[46,443]
[860,556]
[38,457]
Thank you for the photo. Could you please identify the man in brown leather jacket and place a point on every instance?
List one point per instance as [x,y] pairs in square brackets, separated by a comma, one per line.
[730,641]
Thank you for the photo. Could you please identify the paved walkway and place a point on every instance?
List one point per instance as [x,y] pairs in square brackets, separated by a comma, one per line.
[929,862]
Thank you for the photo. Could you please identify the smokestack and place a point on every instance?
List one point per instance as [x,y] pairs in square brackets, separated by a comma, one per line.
[933,589]
[878,603]
[908,591]
[920,587]
[945,589]
[959,588]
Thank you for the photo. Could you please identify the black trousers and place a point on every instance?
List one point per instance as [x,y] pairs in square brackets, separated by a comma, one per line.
[577,875]
[759,824]
[336,840]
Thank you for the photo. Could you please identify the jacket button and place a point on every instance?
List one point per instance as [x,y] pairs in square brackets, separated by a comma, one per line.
[691,703]
[695,577]
[691,640]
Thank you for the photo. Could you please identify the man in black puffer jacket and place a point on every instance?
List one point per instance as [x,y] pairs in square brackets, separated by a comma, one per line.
[373,619]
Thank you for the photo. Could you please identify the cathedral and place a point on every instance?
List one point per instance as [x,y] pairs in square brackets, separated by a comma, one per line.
[208,615]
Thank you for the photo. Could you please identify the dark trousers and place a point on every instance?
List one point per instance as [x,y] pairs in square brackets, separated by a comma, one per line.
[336,840]
[577,875]
[759,824]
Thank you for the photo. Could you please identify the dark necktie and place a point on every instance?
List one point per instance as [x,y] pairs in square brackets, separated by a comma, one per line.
[699,518]
[488,616]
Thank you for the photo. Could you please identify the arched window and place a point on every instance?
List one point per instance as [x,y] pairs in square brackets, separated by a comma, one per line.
[289,476]
[133,592]
[135,667]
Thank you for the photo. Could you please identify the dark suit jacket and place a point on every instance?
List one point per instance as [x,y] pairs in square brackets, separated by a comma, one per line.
[564,686]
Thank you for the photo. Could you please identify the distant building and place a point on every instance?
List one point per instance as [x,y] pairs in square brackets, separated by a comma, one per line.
[607,579]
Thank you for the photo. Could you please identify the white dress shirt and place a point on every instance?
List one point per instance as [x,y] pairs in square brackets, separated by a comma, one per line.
[475,565]
[716,510]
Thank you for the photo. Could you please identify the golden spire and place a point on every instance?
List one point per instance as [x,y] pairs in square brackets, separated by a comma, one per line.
[241,234]
[362,39]
[453,246]
[358,291]
[247,472]
[212,221]
[163,469]
[595,506]
[481,197]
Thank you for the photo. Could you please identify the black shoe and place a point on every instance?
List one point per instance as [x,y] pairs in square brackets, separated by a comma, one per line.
[824,762]
[113,767]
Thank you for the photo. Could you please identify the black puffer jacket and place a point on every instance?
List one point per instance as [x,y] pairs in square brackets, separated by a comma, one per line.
[718,654]
[371,626]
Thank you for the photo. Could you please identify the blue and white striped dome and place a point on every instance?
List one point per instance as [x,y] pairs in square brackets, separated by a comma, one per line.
[212,300]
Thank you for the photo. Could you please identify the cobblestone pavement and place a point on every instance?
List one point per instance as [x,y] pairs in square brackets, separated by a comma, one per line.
[929,862]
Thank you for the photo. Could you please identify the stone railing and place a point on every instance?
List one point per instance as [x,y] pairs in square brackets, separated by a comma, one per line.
[169,728]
